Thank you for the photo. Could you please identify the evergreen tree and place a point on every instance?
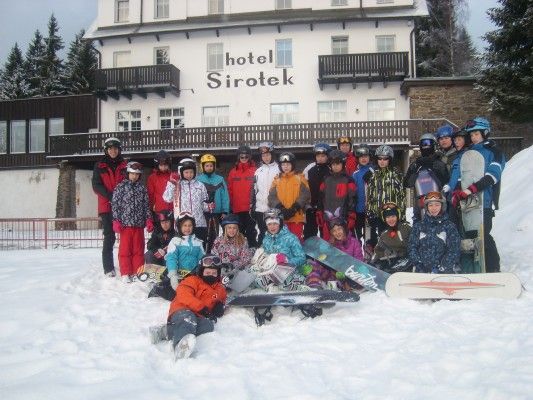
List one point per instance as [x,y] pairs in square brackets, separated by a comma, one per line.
[34,65]
[507,78]
[80,66]
[53,69]
[443,46]
[13,83]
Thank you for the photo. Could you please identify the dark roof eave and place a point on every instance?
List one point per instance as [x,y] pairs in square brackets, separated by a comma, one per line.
[436,81]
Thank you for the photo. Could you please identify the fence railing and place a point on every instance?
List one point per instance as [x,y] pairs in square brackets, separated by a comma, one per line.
[50,233]
[137,77]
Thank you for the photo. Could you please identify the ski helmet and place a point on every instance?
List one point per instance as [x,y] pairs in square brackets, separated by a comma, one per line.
[244,150]
[337,156]
[444,131]
[344,139]
[230,219]
[208,158]
[389,209]
[265,147]
[185,164]
[165,215]
[335,219]
[435,196]
[212,262]
[463,133]
[287,157]
[162,157]
[182,217]
[273,215]
[321,148]
[112,142]
[385,151]
[362,150]
[134,167]
[427,144]
[478,124]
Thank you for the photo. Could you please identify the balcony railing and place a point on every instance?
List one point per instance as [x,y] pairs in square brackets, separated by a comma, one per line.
[364,67]
[139,80]
[402,132]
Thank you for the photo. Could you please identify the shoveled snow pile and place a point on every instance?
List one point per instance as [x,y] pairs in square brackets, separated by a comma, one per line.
[66,332]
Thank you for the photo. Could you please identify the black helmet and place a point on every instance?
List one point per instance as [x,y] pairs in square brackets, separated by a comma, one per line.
[336,156]
[244,149]
[162,157]
[427,144]
[362,150]
[464,134]
[185,164]
[210,261]
[230,219]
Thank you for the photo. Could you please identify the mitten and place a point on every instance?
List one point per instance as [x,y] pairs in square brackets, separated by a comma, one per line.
[218,309]
[174,178]
[459,195]
[149,225]
[351,220]
[173,276]
[207,314]
[117,226]
[340,275]
[281,258]
[306,269]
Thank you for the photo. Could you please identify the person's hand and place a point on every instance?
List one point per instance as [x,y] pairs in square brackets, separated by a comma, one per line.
[173,276]
[211,206]
[149,225]
[319,215]
[352,216]
[204,312]
[174,178]
[459,195]
[159,253]
[117,226]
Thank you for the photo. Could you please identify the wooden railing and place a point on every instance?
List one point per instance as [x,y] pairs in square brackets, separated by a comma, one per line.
[381,65]
[137,77]
[403,132]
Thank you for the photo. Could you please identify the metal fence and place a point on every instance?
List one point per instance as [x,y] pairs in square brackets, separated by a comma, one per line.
[50,233]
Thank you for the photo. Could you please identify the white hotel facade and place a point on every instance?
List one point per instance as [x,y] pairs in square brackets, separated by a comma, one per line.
[203,63]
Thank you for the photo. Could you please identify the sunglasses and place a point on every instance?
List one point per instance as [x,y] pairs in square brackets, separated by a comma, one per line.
[210,261]
[426,143]
[383,158]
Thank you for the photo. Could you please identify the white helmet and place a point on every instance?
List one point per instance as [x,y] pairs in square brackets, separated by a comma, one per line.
[135,167]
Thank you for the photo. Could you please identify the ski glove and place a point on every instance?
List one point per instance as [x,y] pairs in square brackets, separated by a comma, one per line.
[211,206]
[459,195]
[117,226]
[160,253]
[218,309]
[149,225]
[281,258]
[351,220]
[173,276]
[174,178]
[204,312]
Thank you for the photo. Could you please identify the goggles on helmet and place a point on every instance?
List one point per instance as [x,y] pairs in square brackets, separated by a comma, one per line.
[436,196]
[211,261]
[285,158]
[135,165]
[344,139]
[426,143]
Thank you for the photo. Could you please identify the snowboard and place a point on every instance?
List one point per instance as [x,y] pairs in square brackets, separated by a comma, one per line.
[150,272]
[409,285]
[471,213]
[365,275]
[310,303]
[425,182]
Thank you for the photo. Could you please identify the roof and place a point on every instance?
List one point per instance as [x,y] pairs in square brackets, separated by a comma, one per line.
[436,81]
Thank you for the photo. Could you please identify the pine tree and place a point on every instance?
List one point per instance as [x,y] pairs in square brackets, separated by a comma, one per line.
[443,46]
[13,83]
[53,69]
[507,79]
[34,65]
[80,66]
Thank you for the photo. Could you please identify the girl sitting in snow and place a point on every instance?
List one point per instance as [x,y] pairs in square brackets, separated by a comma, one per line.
[232,247]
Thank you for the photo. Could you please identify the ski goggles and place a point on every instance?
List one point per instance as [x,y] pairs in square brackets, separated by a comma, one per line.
[135,165]
[344,139]
[164,217]
[426,143]
[211,261]
[285,158]
[433,196]
[185,214]
[389,206]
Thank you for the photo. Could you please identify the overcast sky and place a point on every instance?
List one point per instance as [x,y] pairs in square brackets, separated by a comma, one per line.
[20,18]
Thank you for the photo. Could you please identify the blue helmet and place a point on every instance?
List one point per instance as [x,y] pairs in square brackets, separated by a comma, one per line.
[478,124]
[444,131]
[321,148]
[230,219]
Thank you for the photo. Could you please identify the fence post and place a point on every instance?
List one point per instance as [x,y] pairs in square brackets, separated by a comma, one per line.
[45,234]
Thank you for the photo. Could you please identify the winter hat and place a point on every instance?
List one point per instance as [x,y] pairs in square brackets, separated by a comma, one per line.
[230,219]
[162,157]
[134,167]
[335,219]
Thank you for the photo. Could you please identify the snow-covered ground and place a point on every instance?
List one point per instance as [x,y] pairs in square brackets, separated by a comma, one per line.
[66,332]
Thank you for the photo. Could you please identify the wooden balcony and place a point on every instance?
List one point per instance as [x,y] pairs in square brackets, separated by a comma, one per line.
[364,67]
[127,81]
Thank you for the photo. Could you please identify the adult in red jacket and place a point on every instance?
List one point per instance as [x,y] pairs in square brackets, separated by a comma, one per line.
[107,174]
[240,185]
[157,182]
[344,144]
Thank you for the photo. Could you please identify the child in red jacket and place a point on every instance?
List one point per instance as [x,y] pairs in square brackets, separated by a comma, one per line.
[198,303]
[157,182]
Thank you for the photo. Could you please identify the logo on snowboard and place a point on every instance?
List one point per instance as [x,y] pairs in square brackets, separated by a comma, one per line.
[451,284]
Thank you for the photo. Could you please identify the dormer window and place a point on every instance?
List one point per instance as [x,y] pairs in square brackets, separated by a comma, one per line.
[122,10]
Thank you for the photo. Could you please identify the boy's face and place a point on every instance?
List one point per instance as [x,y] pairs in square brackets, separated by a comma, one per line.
[445,142]
[165,225]
[273,228]
[434,208]
[188,174]
[210,272]
[364,160]
[459,142]
[133,176]
[336,167]
[476,137]
[286,167]
[163,167]
[391,220]
[321,158]
[187,228]
[209,167]
[345,147]
[113,151]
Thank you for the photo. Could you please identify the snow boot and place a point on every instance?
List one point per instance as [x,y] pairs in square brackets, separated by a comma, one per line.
[158,333]
[111,274]
[185,347]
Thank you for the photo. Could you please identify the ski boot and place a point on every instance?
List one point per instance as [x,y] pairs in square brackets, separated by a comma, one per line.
[185,347]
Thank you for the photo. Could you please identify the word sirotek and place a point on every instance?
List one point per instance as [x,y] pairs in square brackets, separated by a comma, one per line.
[215,79]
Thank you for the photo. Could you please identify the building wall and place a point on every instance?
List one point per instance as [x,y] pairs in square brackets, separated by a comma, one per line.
[86,201]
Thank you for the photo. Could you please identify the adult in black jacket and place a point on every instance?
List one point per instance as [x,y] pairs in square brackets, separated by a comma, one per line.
[161,237]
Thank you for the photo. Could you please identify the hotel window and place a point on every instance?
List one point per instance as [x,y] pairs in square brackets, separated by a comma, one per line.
[18,136]
[332,111]
[3,137]
[161,8]
[215,56]
[385,44]
[284,113]
[284,53]
[122,10]
[339,2]
[171,118]
[381,110]
[56,126]
[339,45]
[129,120]
[215,116]
[215,6]
[161,55]
[37,135]
[121,59]
[283,4]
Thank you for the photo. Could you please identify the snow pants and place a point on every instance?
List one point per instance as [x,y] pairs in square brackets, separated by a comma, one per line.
[492,258]
[131,250]
[311,227]
[149,258]
[247,228]
[109,242]
[183,322]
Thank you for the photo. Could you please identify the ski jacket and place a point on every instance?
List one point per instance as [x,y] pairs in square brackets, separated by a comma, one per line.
[184,253]
[338,191]
[229,252]
[316,176]
[434,245]
[290,190]
[494,165]
[130,204]
[432,163]
[156,184]
[351,163]
[240,184]
[160,239]
[393,242]
[384,186]
[217,191]
[287,243]
[447,157]
[107,174]
[193,198]
[350,246]
[263,178]
[193,293]
[360,185]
